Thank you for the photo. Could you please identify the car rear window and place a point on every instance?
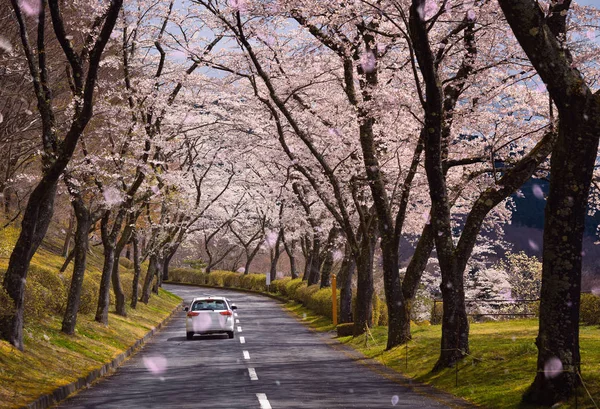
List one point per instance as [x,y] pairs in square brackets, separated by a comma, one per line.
[204,305]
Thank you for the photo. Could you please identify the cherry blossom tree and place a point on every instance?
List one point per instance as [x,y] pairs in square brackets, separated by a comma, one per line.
[57,152]
[542,34]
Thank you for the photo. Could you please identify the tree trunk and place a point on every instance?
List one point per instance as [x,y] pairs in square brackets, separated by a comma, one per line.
[104,296]
[417,265]
[166,262]
[276,255]
[7,199]
[345,285]
[455,325]
[137,270]
[328,262]
[117,288]
[398,313]
[363,316]
[306,251]
[158,274]
[314,272]
[67,244]
[84,222]
[68,260]
[36,219]
[152,266]
[571,169]
[247,265]
[289,249]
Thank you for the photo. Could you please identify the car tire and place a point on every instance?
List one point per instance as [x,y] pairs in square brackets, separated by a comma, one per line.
[189,335]
[230,334]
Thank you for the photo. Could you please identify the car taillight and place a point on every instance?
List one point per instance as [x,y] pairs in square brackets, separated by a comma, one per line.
[193,314]
[226,313]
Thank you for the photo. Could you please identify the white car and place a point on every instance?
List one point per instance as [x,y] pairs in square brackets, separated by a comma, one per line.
[209,315]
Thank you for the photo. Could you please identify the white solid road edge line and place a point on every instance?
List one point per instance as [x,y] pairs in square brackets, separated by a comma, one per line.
[242,340]
[239,329]
[252,373]
[264,402]
[246,355]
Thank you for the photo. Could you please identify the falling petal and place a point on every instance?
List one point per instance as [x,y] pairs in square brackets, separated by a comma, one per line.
[395,400]
[590,34]
[533,245]
[201,322]
[537,192]
[112,196]
[426,217]
[338,255]
[239,5]
[155,364]
[552,368]
[334,132]
[30,7]
[271,239]
[368,61]
[5,45]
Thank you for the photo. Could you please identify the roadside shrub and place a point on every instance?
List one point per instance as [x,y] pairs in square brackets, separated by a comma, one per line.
[127,285]
[6,304]
[126,263]
[589,312]
[187,275]
[292,286]
[380,308]
[304,294]
[216,278]
[8,239]
[345,330]
[231,279]
[45,292]
[89,293]
[436,313]
[320,302]
[256,282]
[278,285]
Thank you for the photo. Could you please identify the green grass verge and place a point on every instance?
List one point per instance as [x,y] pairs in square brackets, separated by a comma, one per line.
[499,369]
[52,359]
[315,321]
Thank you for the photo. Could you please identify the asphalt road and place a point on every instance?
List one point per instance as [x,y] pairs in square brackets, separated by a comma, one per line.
[273,362]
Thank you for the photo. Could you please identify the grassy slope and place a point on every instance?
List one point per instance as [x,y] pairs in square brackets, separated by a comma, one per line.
[495,375]
[51,358]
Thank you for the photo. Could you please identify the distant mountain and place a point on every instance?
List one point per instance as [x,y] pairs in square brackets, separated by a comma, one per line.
[529,207]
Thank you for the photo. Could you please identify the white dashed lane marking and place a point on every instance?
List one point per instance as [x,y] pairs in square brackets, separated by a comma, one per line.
[246,355]
[242,340]
[237,321]
[252,373]
[239,329]
[264,402]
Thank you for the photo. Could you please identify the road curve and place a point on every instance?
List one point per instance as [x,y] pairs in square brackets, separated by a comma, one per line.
[273,362]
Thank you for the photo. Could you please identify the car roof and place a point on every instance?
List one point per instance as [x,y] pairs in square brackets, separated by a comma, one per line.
[209,297]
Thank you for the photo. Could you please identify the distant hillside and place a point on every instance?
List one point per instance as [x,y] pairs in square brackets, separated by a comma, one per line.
[529,211]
